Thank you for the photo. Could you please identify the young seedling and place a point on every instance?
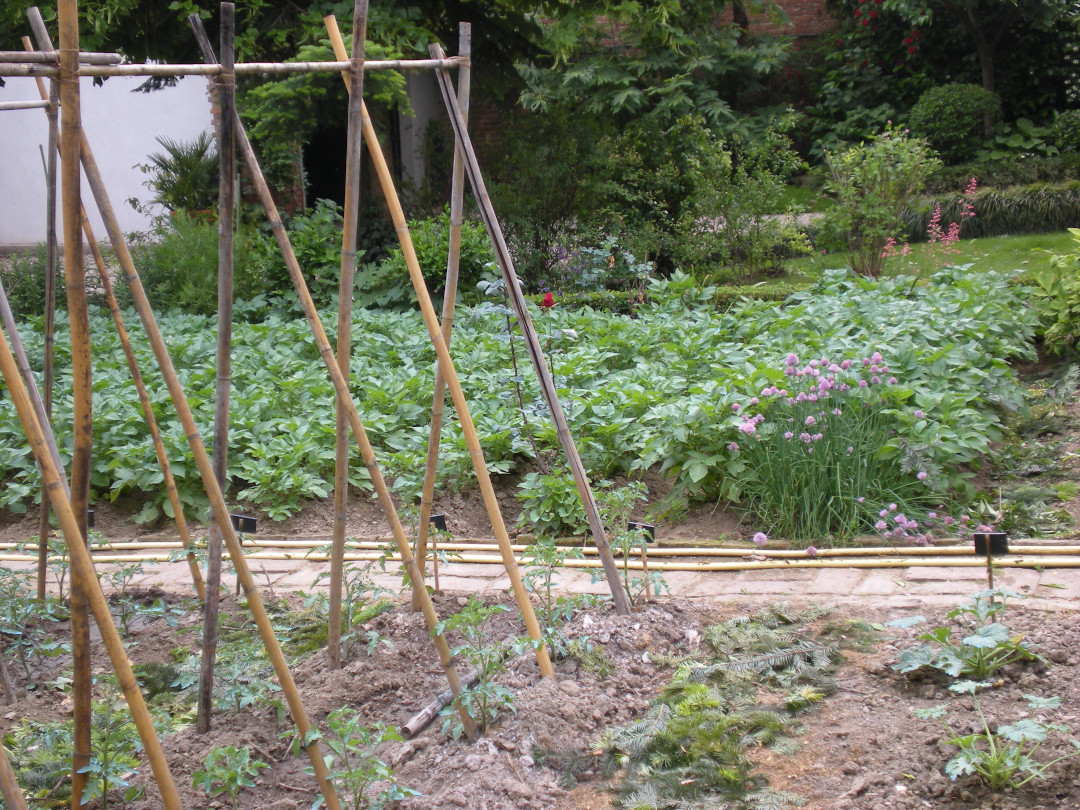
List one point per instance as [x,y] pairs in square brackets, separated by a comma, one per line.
[354,767]
[228,770]
[979,655]
[1005,758]
[543,561]
[113,748]
[488,657]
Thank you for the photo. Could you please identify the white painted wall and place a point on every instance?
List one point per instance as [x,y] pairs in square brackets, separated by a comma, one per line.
[121,127]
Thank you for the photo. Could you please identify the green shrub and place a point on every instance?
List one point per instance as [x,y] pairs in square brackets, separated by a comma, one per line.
[178,262]
[1066,130]
[872,183]
[955,119]
[1023,137]
[185,176]
[1038,208]
[23,275]
[388,283]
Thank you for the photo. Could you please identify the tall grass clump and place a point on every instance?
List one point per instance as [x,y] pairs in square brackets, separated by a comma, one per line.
[820,452]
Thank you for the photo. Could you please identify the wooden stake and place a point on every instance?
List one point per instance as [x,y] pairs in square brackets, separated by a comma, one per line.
[342,391]
[453,264]
[5,683]
[344,328]
[532,342]
[82,412]
[42,34]
[226,98]
[476,453]
[39,437]
[9,787]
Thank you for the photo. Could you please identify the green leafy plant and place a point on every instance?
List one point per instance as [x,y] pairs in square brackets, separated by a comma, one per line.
[988,647]
[954,118]
[25,622]
[1005,757]
[228,769]
[354,767]
[871,183]
[551,504]
[40,753]
[1022,137]
[122,601]
[487,656]
[1056,295]
[616,505]
[185,176]
[359,602]
[542,562]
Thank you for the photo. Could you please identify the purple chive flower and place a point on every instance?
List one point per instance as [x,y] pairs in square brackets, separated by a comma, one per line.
[949,520]
[883,513]
[844,366]
[812,398]
[754,400]
[792,359]
[892,380]
[837,412]
[788,434]
[881,525]
[866,361]
[932,515]
[874,369]
[876,357]
[735,406]
[851,450]
[733,446]
[809,421]
[921,475]
[811,551]
[875,379]
[748,427]
[892,507]
[814,364]
[760,539]
[801,397]
[805,437]
[863,383]
[860,499]
[817,437]
[919,414]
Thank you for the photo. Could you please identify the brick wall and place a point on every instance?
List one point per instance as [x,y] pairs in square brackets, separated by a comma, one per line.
[807,18]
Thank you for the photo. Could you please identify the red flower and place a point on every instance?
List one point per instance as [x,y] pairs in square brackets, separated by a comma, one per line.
[866,22]
[873,14]
[911,49]
[907,40]
[858,12]
[548,302]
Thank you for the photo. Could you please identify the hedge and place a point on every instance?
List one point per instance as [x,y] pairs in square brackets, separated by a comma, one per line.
[624,302]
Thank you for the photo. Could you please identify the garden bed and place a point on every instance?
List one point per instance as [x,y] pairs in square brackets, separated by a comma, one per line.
[862,746]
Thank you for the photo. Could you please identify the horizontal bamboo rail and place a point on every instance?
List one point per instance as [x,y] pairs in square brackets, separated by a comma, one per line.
[1010,561]
[659,551]
[23,105]
[53,58]
[25,68]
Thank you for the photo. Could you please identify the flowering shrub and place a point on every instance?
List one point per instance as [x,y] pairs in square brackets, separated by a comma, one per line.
[817,454]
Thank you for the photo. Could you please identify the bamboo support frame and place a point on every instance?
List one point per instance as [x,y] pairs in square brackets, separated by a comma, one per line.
[42,34]
[532,342]
[241,69]
[346,280]
[82,385]
[9,787]
[342,390]
[453,264]
[38,436]
[431,321]
[226,98]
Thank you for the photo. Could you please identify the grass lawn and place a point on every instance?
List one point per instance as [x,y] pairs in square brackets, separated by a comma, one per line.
[1002,253]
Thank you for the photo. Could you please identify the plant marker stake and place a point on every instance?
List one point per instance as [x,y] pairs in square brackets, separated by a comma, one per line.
[453,266]
[9,787]
[346,281]
[226,99]
[342,390]
[528,331]
[37,24]
[39,436]
[476,453]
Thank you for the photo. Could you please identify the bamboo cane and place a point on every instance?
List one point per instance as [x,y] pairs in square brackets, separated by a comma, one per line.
[39,436]
[82,412]
[453,264]
[52,57]
[342,391]
[226,98]
[521,596]
[344,328]
[9,787]
[51,113]
[37,23]
[528,331]
[23,105]
[242,69]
